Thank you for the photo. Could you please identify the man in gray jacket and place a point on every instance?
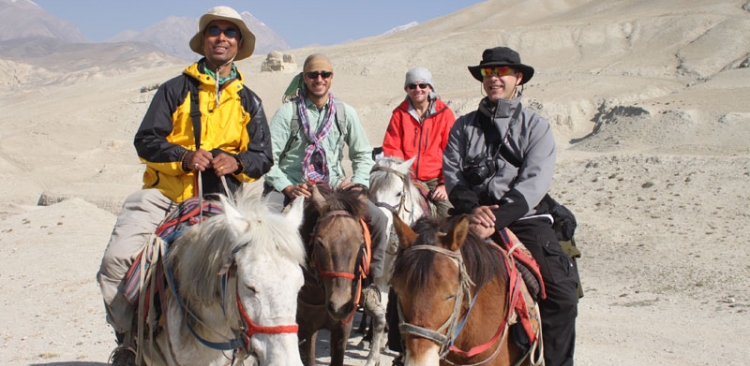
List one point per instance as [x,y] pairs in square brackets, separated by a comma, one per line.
[498,166]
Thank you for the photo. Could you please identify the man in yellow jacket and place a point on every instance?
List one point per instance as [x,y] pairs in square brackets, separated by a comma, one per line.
[204,120]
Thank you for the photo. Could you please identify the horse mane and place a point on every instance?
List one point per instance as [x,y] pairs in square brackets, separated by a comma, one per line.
[416,266]
[343,199]
[202,251]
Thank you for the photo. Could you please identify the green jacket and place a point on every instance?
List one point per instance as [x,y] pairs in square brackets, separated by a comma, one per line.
[288,150]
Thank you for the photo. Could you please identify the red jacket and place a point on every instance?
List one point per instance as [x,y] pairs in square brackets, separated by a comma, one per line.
[406,138]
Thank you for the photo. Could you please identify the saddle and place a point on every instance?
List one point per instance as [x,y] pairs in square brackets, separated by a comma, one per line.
[186,214]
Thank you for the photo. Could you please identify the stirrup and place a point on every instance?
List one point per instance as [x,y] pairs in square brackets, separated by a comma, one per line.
[122,355]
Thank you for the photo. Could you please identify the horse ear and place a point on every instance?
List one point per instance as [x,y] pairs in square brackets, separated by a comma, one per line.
[405,167]
[235,218]
[295,213]
[317,198]
[406,236]
[457,236]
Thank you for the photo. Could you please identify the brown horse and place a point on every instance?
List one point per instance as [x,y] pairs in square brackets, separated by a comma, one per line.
[336,242]
[453,289]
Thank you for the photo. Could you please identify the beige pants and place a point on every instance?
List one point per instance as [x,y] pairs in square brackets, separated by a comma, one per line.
[141,213]
[441,207]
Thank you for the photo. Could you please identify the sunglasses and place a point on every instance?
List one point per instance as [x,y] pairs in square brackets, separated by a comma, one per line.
[314,74]
[414,86]
[229,32]
[497,71]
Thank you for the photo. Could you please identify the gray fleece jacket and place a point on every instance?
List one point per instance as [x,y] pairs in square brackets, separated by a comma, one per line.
[476,139]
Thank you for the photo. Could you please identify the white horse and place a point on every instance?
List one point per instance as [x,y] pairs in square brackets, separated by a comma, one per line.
[236,276]
[392,190]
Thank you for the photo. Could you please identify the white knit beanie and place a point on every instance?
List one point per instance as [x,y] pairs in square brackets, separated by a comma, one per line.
[417,75]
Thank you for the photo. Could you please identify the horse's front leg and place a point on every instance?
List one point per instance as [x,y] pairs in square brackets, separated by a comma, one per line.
[374,306]
[307,339]
[339,338]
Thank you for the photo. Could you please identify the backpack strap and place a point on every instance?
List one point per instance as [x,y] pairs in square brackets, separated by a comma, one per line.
[195,110]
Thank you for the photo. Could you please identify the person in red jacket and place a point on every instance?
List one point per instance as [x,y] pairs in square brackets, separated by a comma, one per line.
[419,127]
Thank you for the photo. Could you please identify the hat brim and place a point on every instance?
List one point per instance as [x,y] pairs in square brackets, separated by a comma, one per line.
[526,70]
[248,38]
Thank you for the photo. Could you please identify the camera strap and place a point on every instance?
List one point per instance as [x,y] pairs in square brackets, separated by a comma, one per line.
[492,138]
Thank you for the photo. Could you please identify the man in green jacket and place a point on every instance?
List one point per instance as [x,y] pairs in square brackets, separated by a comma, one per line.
[308,133]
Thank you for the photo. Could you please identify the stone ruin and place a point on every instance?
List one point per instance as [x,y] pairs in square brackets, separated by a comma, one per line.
[278,62]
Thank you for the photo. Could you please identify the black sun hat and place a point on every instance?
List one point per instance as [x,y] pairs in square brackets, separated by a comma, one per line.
[502,56]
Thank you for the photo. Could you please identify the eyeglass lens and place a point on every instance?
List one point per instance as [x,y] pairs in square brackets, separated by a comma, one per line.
[498,71]
[229,32]
[421,86]
[315,74]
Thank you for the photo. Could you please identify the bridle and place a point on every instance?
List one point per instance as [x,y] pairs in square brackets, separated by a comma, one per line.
[361,270]
[400,207]
[446,335]
[247,327]
[340,274]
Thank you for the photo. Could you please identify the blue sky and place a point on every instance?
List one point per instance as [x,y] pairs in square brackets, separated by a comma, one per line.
[299,22]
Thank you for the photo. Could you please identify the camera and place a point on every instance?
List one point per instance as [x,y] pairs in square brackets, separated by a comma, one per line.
[478,169]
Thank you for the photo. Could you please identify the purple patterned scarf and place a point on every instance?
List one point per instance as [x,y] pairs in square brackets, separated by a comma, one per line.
[315,163]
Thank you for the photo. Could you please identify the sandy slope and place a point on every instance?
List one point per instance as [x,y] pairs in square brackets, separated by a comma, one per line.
[648,101]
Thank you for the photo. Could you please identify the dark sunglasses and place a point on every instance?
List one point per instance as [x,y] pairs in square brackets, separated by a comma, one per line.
[497,71]
[421,86]
[229,32]
[314,74]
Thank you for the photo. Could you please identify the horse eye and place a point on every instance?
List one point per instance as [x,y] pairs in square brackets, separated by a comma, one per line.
[252,289]
[450,297]
[399,194]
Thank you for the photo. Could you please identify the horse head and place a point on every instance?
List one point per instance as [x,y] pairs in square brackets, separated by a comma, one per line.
[392,190]
[252,302]
[437,273]
[338,246]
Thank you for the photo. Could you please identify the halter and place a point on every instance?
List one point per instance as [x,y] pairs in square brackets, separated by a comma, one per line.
[248,328]
[363,267]
[446,335]
[401,207]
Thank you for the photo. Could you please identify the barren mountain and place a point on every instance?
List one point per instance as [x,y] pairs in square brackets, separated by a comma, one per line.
[25,19]
[647,100]
[172,35]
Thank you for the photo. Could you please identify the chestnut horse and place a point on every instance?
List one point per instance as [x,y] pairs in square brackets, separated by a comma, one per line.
[337,245]
[453,294]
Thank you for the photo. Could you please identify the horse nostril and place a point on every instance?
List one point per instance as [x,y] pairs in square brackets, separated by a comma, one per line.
[346,309]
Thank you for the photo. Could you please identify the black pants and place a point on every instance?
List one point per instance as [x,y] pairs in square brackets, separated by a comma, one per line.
[560,309]
[391,317]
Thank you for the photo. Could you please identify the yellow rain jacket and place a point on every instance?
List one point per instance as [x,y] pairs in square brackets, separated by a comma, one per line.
[236,125]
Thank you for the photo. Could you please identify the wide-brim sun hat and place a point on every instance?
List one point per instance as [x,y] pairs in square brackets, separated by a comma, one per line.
[502,56]
[225,13]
